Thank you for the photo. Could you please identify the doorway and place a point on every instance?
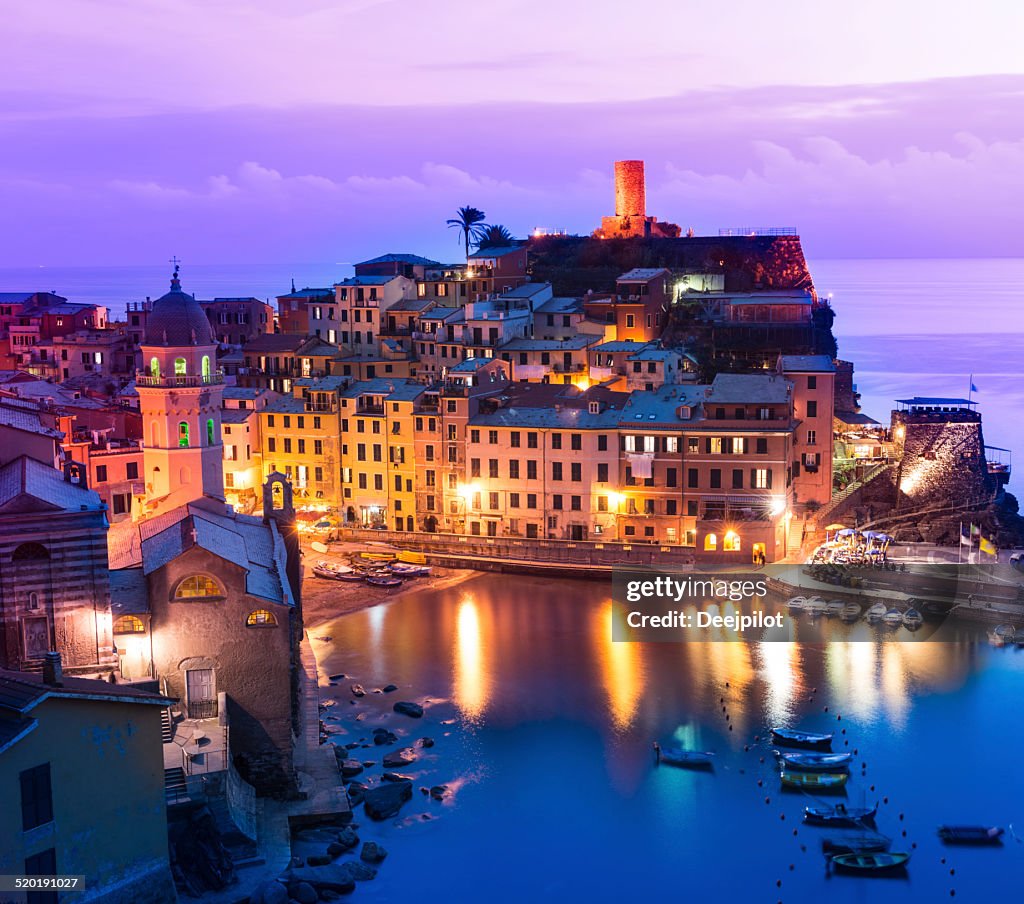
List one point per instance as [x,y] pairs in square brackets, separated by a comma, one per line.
[200,694]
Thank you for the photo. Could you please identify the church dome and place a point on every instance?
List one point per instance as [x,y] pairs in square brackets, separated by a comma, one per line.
[177,319]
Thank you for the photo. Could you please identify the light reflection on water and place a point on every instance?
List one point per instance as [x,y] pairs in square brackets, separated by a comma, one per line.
[553,722]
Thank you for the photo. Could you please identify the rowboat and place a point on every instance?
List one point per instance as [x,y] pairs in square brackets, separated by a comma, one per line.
[912,619]
[834,608]
[816,762]
[791,737]
[971,834]
[410,571]
[893,617]
[687,759]
[1001,634]
[840,815]
[850,613]
[353,578]
[876,612]
[411,558]
[868,864]
[797,603]
[816,606]
[377,556]
[332,572]
[816,781]
[383,581]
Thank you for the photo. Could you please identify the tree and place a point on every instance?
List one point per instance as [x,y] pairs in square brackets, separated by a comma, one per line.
[493,236]
[471,223]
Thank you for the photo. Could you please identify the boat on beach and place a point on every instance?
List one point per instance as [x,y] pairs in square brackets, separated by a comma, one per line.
[383,580]
[792,737]
[840,816]
[971,834]
[411,558]
[409,571]
[330,571]
[376,556]
[814,781]
[686,759]
[870,863]
[816,762]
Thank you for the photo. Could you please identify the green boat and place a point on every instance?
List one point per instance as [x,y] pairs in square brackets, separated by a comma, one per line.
[815,781]
[870,863]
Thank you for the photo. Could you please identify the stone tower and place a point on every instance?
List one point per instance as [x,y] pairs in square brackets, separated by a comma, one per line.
[180,394]
[630,189]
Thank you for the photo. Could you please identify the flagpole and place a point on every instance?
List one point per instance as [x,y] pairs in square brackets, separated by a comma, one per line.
[970,388]
[960,545]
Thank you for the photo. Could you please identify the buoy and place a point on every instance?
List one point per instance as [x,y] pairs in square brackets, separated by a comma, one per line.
[885,800]
[782,816]
[792,867]
[872,787]
[901,817]
[839,718]
[913,845]
[863,765]
[757,738]
[760,783]
[746,747]
[730,728]
[943,860]
[826,709]
[843,731]
[855,751]
[778,883]
[952,871]
[904,833]
[794,833]
[952,892]
[767,800]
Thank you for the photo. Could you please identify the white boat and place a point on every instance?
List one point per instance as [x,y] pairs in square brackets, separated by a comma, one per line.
[876,612]
[816,606]
[834,608]
[912,619]
[893,617]
[1001,635]
[851,612]
[797,602]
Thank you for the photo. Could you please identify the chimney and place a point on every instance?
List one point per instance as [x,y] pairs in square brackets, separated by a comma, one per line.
[53,672]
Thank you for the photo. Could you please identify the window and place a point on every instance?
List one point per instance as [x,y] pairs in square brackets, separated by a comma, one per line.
[691,478]
[183,435]
[576,470]
[101,473]
[672,444]
[531,440]
[474,435]
[531,470]
[36,797]
[492,437]
[762,479]
[129,624]
[513,500]
[132,470]
[812,437]
[556,440]
[812,382]
[602,473]
[711,542]
[474,467]
[556,470]
[180,368]
[812,409]
[670,477]
[531,500]
[693,444]
[513,469]
[199,586]
[715,445]
[492,500]
[732,542]
[716,478]
[602,443]
[261,618]
[206,368]
[762,446]
[576,441]
[211,433]
[492,468]
[154,368]
[514,439]
[739,445]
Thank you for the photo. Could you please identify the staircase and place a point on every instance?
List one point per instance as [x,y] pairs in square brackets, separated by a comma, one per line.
[175,788]
[795,539]
[166,726]
[829,512]
[244,851]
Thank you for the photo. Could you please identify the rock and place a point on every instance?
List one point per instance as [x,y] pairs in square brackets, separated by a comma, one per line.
[382,737]
[397,758]
[335,849]
[339,677]
[361,716]
[361,872]
[352,745]
[350,768]
[386,800]
[426,742]
[333,877]
[303,892]
[408,708]
[390,688]
[372,852]
[439,792]
[348,838]
[270,893]
[357,690]
[356,791]
[368,763]
[395,777]
[317,860]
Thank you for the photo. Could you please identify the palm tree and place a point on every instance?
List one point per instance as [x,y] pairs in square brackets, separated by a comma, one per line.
[471,222]
[493,236]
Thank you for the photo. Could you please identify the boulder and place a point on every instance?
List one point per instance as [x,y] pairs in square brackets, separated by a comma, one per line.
[387,799]
[397,758]
[303,892]
[382,737]
[390,688]
[340,676]
[425,742]
[395,777]
[356,791]
[333,877]
[269,893]
[335,849]
[439,792]
[361,872]
[372,852]
[318,860]
[357,690]
[348,838]
[408,708]
[350,768]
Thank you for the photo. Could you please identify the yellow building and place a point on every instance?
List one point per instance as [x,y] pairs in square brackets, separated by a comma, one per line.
[81,777]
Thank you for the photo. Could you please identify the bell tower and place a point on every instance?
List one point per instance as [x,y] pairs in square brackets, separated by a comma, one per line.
[180,392]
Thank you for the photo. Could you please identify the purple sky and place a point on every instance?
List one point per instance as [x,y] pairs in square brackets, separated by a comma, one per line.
[225,131]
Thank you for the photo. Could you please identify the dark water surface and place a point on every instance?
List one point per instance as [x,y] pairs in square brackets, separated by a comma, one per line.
[544,727]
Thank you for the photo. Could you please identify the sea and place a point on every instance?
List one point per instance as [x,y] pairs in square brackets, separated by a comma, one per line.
[950,328]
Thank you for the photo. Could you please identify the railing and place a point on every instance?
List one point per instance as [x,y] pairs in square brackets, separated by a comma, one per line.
[202,709]
[178,380]
[822,515]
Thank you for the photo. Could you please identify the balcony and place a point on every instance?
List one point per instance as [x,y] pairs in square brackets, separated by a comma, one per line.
[178,381]
[561,368]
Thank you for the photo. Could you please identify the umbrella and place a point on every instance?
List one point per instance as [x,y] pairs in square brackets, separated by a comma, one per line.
[874,552]
[847,532]
[885,538]
[836,527]
[870,535]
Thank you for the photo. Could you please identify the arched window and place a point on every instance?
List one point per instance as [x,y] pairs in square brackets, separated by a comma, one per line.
[210,441]
[711,542]
[29,551]
[261,618]
[33,600]
[129,624]
[183,434]
[732,542]
[206,367]
[154,435]
[154,368]
[179,367]
[197,587]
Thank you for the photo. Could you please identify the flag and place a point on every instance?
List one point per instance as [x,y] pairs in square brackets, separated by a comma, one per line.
[965,536]
[975,531]
[973,387]
[987,546]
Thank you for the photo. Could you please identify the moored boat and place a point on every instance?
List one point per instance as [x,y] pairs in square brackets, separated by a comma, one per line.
[816,606]
[834,608]
[935,609]
[797,603]
[840,815]
[1001,635]
[871,863]
[876,612]
[912,619]
[816,762]
[851,612]
[814,781]
[792,737]
[411,558]
[687,759]
[971,834]
[893,618]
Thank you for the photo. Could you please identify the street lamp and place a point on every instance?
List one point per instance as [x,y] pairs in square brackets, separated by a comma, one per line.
[615,500]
